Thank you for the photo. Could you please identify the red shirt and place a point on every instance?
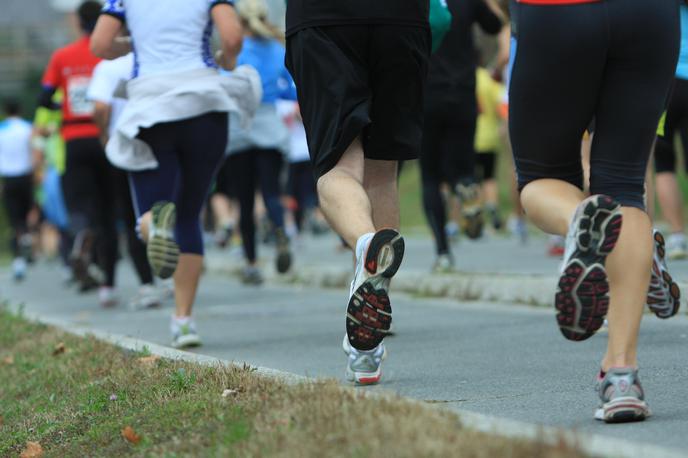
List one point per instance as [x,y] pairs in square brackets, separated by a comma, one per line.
[70,69]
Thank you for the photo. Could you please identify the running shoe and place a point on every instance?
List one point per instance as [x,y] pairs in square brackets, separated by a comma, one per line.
[364,367]
[369,313]
[80,260]
[184,333]
[162,249]
[19,266]
[444,264]
[251,275]
[223,236]
[664,295]
[621,396]
[147,297]
[677,246]
[471,220]
[107,297]
[495,218]
[582,297]
[283,261]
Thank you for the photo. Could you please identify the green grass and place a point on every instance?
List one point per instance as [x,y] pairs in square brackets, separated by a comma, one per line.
[77,402]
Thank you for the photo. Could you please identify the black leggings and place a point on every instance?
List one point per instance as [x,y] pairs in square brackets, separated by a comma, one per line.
[251,170]
[447,156]
[188,154]
[612,60]
[89,187]
[676,121]
[17,194]
[301,187]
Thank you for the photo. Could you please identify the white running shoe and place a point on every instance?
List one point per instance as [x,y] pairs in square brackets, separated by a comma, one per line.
[147,297]
[364,367]
[184,333]
[107,297]
[19,266]
[677,246]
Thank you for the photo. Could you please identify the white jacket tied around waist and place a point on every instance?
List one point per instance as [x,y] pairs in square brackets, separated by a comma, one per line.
[174,97]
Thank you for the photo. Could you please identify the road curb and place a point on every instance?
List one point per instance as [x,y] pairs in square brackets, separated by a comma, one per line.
[533,289]
[590,444]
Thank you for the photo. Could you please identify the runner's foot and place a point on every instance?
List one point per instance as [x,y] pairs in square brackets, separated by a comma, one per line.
[147,297]
[19,266]
[582,298]
[364,367]
[283,261]
[251,275]
[184,333]
[163,251]
[472,220]
[369,313]
[664,295]
[677,246]
[444,264]
[107,297]
[621,397]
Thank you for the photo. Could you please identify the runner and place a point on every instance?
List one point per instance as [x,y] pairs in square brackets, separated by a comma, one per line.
[109,78]
[359,68]
[667,188]
[623,49]
[448,153]
[17,165]
[258,153]
[88,180]
[172,134]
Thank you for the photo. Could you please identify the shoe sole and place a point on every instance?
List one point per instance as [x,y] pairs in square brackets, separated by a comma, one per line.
[369,312]
[582,297]
[473,223]
[668,289]
[187,342]
[163,251]
[623,410]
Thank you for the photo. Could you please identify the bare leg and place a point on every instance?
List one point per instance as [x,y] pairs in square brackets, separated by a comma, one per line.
[491,192]
[186,280]
[343,199]
[670,200]
[223,210]
[380,183]
[551,205]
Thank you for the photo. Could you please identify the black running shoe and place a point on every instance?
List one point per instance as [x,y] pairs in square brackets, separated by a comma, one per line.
[283,260]
[582,298]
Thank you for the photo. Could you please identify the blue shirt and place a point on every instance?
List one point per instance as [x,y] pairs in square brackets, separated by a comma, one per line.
[682,67]
[267,57]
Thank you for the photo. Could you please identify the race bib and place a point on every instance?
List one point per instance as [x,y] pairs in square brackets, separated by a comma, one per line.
[77,90]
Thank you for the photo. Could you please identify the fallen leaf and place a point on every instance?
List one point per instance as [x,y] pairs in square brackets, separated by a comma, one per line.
[32,450]
[228,393]
[148,360]
[9,360]
[59,349]
[130,435]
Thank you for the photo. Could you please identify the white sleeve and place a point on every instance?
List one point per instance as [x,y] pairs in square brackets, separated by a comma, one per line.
[103,84]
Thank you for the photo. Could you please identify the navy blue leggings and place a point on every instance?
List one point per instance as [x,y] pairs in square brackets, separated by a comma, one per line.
[189,153]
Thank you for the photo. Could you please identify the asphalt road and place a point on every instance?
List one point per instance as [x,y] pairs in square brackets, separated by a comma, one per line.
[498,359]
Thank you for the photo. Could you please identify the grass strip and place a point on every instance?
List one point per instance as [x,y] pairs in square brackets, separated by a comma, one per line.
[65,396]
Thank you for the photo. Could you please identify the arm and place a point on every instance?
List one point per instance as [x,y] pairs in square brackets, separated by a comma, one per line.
[101,116]
[106,41]
[231,35]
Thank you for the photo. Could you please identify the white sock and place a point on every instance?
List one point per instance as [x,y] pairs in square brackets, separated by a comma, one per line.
[362,244]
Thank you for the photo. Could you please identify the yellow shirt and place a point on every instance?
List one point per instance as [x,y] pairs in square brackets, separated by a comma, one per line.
[490,94]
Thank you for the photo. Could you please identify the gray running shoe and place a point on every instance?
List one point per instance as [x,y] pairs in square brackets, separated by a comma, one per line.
[677,246]
[364,367]
[582,297]
[472,219]
[444,264]
[621,397]
[664,295]
[162,249]
[251,275]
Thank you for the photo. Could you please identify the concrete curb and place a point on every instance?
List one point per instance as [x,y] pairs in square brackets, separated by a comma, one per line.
[591,444]
[533,289]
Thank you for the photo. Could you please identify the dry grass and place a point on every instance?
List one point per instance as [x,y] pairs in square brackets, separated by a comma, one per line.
[78,402]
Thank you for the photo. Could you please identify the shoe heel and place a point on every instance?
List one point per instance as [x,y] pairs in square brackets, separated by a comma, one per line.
[385,253]
[601,227]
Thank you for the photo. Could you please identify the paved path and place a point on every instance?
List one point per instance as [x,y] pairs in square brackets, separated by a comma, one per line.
[502,360]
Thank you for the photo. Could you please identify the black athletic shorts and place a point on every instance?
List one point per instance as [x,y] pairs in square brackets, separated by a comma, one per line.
[612,61]
[360,80]
[676,121]
[485,164]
